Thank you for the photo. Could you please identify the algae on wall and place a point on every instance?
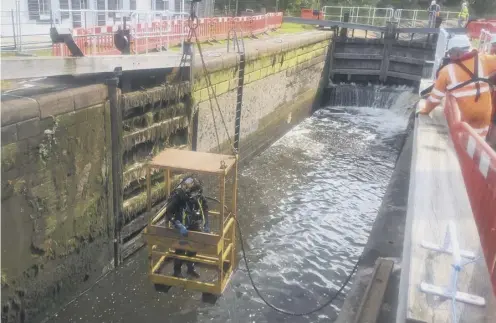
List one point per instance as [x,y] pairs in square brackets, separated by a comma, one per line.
[56,183]
[154,119]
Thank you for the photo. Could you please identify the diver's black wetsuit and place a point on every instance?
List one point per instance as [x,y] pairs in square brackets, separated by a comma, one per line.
[187,210]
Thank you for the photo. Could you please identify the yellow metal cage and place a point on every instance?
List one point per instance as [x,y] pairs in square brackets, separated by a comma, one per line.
[214,250]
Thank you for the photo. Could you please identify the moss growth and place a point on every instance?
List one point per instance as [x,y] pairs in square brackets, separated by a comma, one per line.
[165,93]
[19,186]
[138,204]
[50,224]
[4,279]
[9,154]
[156,132]
[148,118]
[48,146]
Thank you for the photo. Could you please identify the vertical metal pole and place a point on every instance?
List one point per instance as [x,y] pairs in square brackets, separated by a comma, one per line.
[18,8]
[222,192]
[116,137]
[14,29]
[182,24]
[234,213]
[236,12]
[222,197]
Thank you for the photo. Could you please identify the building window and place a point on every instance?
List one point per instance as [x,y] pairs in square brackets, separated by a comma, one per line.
[44,7]
[77,6]
[160,5]
[64,5]
[39,9]
[114,4]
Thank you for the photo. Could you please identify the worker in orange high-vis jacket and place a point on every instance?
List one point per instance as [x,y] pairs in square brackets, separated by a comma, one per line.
[465,77]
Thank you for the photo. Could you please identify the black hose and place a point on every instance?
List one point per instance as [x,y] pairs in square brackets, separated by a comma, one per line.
[275,308]
[280,310]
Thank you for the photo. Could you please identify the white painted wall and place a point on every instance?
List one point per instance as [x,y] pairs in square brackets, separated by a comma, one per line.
[143,5]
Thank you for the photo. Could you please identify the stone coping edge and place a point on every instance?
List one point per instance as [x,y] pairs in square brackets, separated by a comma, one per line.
[227,60]
[52,104]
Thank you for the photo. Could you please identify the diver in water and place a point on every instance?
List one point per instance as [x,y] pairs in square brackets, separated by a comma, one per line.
[187,210]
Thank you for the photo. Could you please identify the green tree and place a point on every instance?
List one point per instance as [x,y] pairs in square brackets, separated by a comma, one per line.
[483,7]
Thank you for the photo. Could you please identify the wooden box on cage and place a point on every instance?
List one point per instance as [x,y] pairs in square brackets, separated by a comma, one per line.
[215,250]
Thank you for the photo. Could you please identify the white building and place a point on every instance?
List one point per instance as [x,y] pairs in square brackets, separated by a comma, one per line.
[33,17]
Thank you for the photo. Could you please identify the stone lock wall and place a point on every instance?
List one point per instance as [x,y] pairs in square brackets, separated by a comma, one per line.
[55,197]
[281,82]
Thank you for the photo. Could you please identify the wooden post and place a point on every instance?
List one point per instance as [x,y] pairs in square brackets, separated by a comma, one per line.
[116,137]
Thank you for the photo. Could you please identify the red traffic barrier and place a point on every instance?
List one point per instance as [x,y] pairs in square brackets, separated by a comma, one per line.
[163,34]
[478,164]
[474,27]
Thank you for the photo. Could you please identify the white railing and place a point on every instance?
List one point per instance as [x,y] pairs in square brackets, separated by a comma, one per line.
[422,18]
[359,15]
[485,41]
[379,16]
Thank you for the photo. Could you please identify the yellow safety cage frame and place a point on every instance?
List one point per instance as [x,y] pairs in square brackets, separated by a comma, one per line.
[213,249]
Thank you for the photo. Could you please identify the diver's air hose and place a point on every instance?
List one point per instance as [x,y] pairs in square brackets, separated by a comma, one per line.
[275,308]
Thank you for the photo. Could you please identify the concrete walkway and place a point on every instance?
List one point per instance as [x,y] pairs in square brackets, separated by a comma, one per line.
[426,191]
[438,196]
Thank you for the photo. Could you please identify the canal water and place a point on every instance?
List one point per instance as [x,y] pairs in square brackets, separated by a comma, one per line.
[307,205]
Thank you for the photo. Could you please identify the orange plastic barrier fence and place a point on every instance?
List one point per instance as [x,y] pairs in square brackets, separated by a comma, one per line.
[474,27]
[151,36]
[478,164]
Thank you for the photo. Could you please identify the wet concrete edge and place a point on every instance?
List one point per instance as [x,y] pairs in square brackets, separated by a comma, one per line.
[386,238]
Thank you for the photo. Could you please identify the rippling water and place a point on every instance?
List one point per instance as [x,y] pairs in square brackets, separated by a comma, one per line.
[322,185]
[306,207]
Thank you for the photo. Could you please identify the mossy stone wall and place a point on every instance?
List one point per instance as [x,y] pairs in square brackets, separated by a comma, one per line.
[55,197]
[276,76]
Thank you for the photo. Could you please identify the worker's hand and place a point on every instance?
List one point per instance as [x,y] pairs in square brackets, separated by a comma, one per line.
[182,229]
[421,109]
[424,112]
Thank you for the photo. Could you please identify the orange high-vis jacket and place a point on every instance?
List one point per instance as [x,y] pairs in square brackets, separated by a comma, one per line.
[476,113]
